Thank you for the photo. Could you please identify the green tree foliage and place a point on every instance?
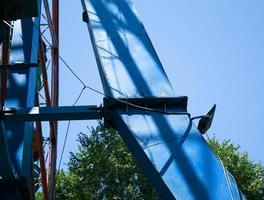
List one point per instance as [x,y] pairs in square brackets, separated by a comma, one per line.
[103,168]
[249,175]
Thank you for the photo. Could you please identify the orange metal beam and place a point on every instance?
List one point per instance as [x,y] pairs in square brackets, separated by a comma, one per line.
[39,140]
[54,99]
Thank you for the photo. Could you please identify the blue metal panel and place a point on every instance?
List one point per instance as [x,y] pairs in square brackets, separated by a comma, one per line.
[127,61]
[21,89]
[171,150]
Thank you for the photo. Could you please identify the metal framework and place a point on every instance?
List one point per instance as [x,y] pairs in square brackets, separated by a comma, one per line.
[139,103]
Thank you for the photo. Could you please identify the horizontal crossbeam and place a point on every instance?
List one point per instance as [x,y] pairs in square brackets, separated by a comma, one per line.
[52,113]
[18,66]
[180,101]
[91,112]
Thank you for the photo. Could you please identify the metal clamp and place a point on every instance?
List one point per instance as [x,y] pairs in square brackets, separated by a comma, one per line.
[85,17]
[163,105]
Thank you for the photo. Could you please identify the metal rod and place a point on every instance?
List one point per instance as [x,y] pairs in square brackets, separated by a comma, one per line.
[50,23]
[18,66]
[200,116]
[48,103]
[54,99]
[52,113]
[44,73]
[5,60]
[5,156]
[41,156]
[47,92]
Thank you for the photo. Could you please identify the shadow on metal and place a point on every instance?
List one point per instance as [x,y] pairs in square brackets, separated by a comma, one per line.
[120,58]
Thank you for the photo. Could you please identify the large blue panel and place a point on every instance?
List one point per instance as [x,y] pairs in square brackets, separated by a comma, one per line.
[127,61]
[171,150]
[21,89]
[179,154]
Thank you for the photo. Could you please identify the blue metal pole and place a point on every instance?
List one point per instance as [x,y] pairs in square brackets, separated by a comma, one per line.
[52,113]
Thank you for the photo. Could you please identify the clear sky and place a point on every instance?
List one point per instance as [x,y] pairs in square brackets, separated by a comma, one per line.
[212,51]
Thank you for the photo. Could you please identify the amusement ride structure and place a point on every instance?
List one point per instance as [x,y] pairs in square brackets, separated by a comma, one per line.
[139,102]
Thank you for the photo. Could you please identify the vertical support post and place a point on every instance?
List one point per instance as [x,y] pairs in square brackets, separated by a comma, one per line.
[44,72]
[5,167]
[41,156]
[5,60]
[30,184]
[55,53]
[38,124]
[54,98]
[52,32]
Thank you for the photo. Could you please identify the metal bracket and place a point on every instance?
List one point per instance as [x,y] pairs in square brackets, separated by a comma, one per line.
[85,17]
[165,105]
[151,102]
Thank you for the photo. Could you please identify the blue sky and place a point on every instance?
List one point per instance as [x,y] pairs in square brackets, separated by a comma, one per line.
[212,51]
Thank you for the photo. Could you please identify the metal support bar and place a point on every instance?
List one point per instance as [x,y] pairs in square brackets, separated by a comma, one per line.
[52,113]
[54,100]
[18,66]
[39,139]
[44,72]
[48,102]
[5,167]
[150,102]
[164,105]
[5,60]
[50,23]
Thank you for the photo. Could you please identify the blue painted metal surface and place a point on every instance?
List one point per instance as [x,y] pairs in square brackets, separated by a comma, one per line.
[12,10]
[52,113]
[5,166]
[21,89]
[171,150]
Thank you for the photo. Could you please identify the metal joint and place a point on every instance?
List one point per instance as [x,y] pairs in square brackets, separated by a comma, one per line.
[85,17]
[147,104]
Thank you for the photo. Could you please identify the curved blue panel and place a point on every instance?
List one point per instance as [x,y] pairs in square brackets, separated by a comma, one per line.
[171,150]
[21,89]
